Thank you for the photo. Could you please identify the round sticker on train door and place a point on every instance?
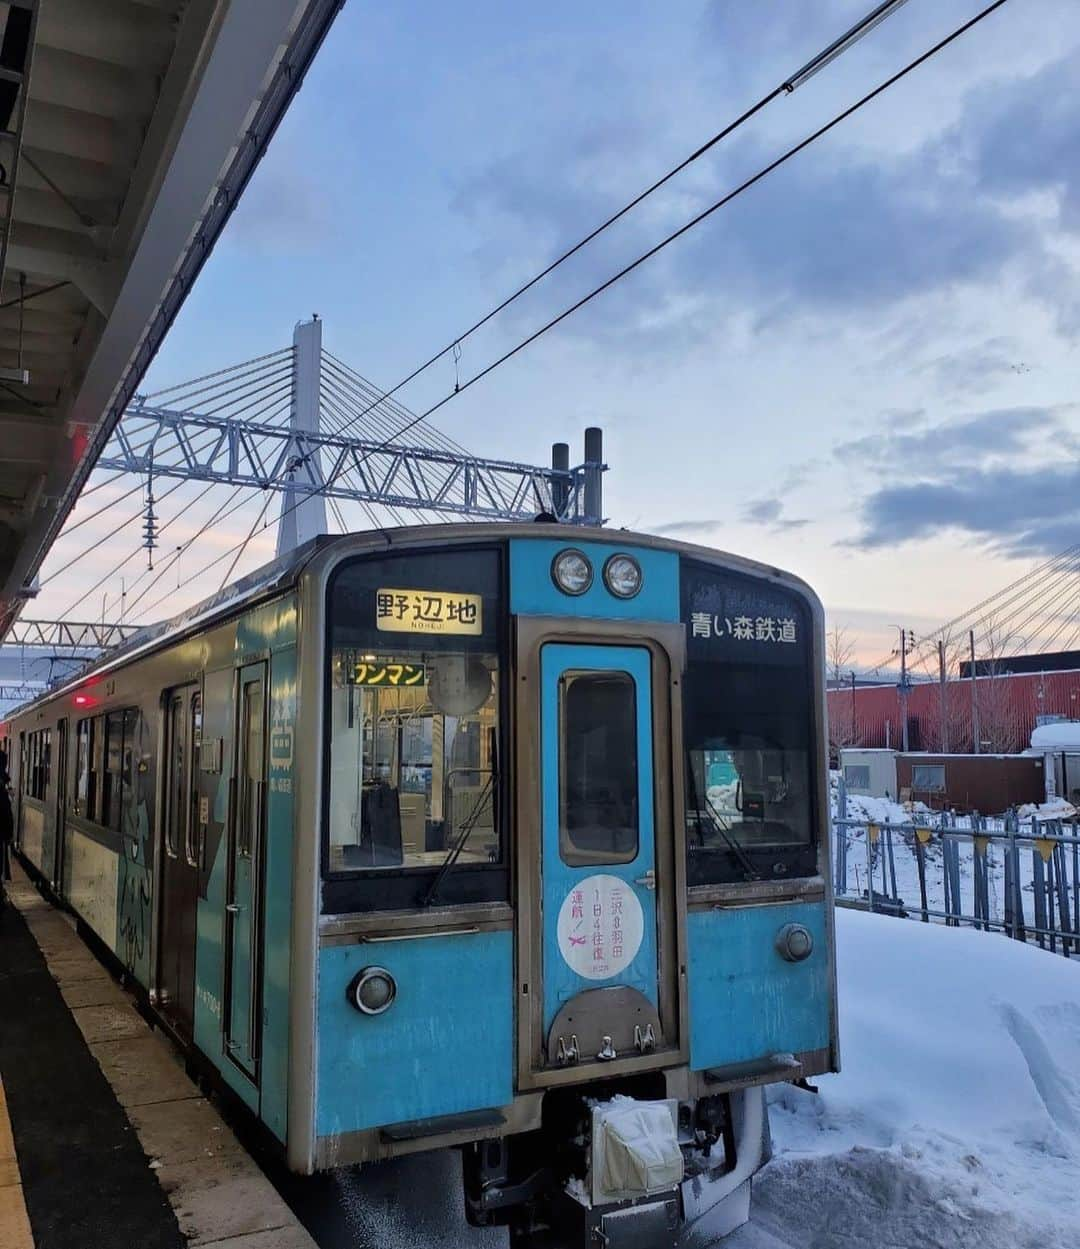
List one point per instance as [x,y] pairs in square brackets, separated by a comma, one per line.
[600,927]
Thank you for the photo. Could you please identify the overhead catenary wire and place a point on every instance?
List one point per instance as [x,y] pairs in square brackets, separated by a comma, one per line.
[350,477]
[816,63]
[372,403]
[222,513]
[136,516]
[240,399]
[695,221]
[115,570]
[201,572]
[244,545]
[416,420]
[331,408]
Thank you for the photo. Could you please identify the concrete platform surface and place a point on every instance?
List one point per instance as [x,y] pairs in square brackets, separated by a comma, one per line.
[104,1140]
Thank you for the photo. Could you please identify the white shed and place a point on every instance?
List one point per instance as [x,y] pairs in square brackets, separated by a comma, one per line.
[1059,744]
[870,773]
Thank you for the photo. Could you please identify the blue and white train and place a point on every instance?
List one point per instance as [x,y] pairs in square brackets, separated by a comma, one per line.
[510,839]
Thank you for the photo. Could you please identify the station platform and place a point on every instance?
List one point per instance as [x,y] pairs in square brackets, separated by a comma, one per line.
[104,1139]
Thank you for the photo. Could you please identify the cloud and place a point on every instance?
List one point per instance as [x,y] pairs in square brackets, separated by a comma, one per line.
[971,441]
[837,231]
[1025,138]
[769,512]
[840,233]
[975,370]
[689,526]
[1021,512]
[764,511]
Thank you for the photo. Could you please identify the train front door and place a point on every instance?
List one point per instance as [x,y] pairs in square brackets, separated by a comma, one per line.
[603,996]
[180,861]
[243,926]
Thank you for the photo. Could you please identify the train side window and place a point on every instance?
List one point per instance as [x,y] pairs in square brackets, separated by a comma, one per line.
[35,774]
[29,765]
[113,771]
[82,767]
[177,777]
[191,839]
[93,801]
[598,768]
[254,767]
[132,768]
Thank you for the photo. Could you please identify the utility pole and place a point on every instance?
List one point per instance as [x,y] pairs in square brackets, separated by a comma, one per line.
[907,639]
[944,696]
[853,734]
[974,694]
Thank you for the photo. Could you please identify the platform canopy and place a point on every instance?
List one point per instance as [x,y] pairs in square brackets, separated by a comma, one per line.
[128,130]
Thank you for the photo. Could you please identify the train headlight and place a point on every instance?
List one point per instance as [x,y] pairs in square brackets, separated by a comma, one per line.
[571,571]
[794,942]
[622,575]
[372,990]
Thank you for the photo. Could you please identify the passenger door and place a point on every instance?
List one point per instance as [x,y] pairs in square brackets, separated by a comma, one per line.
[243,926]
[180,870]
[598,854]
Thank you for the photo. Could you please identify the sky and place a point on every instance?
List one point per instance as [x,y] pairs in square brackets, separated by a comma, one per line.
[863,370]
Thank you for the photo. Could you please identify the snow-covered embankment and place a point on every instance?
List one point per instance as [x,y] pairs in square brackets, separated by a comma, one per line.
[955,1123]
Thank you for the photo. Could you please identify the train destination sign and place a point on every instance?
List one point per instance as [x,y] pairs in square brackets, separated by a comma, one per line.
[428,611]
[782,629]
[374,673]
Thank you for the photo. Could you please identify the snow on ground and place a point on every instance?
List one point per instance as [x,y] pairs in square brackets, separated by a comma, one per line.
[880,810]
[955,1123]
[1058,809]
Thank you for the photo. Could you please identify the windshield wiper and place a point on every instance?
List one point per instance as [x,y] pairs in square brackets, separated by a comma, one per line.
[467,826]
[717,822]
[733,842]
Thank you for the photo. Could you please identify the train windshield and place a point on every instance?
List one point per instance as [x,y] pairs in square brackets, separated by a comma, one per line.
[414,715]
[747,729]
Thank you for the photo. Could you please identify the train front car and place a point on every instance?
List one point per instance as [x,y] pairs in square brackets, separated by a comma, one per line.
[572,911]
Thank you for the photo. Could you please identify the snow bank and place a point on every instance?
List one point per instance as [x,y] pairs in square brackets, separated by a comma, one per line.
[956,1119]
[1059,809]
[1065,735]
[876,810]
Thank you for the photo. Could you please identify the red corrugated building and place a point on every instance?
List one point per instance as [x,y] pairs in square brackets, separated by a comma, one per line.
[1008,707]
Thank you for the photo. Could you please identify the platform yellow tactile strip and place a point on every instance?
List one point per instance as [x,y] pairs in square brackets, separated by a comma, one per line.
[219,1194]
[14,1222]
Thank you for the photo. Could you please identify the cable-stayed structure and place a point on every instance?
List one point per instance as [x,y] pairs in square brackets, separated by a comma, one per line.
[206,478]
[1037,614]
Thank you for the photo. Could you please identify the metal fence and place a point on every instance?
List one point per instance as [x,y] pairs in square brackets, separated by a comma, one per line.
[1004,874]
